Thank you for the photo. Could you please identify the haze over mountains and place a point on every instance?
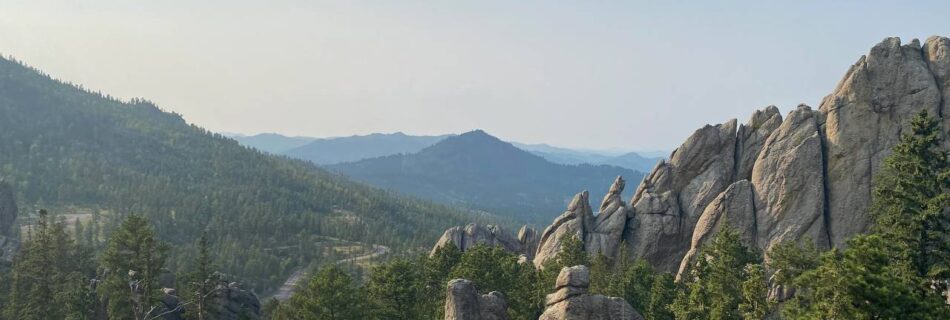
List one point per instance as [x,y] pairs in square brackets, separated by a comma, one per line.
[327,151]
[531,182]
[480,171]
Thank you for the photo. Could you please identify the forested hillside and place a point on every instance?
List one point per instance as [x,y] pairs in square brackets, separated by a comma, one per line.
[480,171]
[64,146]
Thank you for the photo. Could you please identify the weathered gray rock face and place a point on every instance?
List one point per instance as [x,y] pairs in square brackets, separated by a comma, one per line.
[570,300]
[604,235]
[490,235]
[574,222]
[671,199]
[863,120]
[789,184]
[937,53]
[733,207]
[8,211]
[751,137]
[529,238]
[462,302]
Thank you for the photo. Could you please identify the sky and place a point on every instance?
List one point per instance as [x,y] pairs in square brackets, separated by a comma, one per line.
[619,75]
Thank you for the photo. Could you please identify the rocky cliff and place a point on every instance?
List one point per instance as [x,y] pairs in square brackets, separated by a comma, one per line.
[525,243]
[807,176]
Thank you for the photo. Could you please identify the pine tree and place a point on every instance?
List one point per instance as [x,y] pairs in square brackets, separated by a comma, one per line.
[394,289]
[50,276]
[201,281]
[601,275]
[436,270]
[131,264]
[713,287]
[910,197]
[755,304]
[662,294]
[331,294]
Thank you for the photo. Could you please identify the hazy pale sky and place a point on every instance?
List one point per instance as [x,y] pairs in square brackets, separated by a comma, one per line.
[593,74]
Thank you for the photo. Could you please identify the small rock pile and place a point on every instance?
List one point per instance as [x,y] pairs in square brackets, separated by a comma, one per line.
[570,300]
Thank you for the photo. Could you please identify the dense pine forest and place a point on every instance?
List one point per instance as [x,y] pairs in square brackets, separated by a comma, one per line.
[64,147]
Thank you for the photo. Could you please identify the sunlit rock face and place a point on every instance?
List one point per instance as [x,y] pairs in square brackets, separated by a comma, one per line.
[774,179]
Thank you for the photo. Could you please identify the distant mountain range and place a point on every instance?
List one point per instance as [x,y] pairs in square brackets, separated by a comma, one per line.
[329,151]
[479,171]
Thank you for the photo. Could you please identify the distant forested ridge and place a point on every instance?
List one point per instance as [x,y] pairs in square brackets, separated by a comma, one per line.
[65,146]
[482,172]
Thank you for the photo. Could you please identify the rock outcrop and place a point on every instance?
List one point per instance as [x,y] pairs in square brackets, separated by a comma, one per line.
[669,202]
[807,176]
[864,118]
[572,222]
[602,233]
[232,302]
[229,302]
[732,208]
[570,300]
[788,183]
[462,302]
[490,235]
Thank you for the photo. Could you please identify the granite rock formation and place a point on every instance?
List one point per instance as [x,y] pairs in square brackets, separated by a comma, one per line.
[807,176]
[491,235]
[570,300]
[462,302]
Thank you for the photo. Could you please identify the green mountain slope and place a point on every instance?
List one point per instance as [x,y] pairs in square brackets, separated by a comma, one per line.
[65,146]
[480,171]
[329,151]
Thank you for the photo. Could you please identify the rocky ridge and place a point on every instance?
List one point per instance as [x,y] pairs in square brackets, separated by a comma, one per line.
[464,238]
[807,176]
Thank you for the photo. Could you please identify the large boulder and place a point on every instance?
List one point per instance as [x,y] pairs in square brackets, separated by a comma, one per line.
[8,211]
[462,302]
[863,119]
[571,301]
[474,234]
[671,199]
[789,184]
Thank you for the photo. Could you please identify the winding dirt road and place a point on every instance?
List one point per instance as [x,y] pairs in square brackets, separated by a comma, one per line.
[287,289]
